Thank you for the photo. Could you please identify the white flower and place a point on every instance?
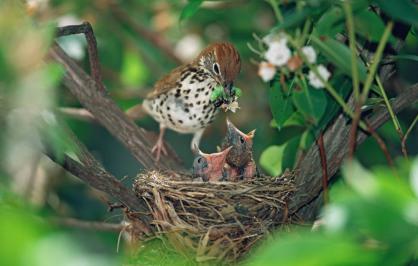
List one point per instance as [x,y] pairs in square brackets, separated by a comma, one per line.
[315,81]
[274,37]
[309,53]
[278,53]
[266,71]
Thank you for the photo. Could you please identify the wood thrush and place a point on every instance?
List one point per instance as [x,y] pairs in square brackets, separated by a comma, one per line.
[181,100]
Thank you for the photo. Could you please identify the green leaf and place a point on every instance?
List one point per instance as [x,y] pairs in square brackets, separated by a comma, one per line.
[402,10]
[190,9]
[331,22]
[306,248]
[238,91]
[280,105]
[369,25]
[271,159]
[295,17]
[287,133]
[311,103]
[134,73]
[289,154]
[343,86]
[218,92]
[307,139]
[338,54]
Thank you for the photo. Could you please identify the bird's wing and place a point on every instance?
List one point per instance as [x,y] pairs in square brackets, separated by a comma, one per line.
[167,83]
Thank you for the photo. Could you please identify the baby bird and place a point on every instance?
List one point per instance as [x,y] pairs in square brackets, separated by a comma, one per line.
[210,167]
[240,158]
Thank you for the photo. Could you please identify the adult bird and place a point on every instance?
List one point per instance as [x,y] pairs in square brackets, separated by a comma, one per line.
[181,100]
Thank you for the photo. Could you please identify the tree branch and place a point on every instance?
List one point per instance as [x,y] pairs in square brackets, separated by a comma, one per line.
[336,138]
[90,171]
[87,30]
[76,223]
[108,114]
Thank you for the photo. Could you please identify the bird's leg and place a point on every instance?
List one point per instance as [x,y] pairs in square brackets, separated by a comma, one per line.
[194,145]
[159,145]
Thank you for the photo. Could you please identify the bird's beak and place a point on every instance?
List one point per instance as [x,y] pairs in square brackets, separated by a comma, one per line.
[196,151]
[228,89]
[231,128]
[251,134]
[218,159]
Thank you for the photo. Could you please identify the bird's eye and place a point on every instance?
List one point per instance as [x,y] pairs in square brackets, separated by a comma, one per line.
[199,160]
[241,139]
[216,68]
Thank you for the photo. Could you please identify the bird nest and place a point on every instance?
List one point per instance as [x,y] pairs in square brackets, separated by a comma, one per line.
[216,221]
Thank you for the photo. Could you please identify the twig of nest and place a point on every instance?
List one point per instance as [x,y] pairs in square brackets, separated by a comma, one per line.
[217,221]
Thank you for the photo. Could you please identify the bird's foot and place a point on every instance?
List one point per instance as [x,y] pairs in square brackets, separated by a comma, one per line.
[158,148]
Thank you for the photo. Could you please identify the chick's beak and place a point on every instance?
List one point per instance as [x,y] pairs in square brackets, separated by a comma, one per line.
[217,160]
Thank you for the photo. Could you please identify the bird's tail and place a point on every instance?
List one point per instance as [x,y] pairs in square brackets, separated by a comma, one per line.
[136,112]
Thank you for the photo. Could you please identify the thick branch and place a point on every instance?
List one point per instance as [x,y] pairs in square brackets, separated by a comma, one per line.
[336,138]
[108,114]
[88,169]
[100,226]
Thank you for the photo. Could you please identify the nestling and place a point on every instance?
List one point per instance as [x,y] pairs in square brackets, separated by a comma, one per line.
[240,158]
[210,167]
[181,100]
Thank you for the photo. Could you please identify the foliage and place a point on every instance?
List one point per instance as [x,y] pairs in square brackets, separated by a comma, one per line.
[373,220]
[27,240]
[321,25]
[379,224]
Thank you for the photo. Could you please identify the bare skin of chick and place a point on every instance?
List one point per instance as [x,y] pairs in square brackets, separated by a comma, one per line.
[210,167]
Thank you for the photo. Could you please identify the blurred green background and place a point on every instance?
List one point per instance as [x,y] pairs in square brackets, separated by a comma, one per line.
[131,64]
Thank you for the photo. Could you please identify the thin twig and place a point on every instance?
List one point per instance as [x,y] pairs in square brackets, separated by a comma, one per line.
[375,62]
[395,120]
[381,143]
[77,223]
[405,137]
[77,113]
[87,30]
[353,132]
[323,155]
[360,99]
[352,42]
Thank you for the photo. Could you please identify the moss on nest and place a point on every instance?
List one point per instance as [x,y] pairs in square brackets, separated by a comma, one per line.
[216,221]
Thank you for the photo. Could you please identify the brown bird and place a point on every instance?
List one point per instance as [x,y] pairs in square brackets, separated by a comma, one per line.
[240,158]
[181,100]
[210,167]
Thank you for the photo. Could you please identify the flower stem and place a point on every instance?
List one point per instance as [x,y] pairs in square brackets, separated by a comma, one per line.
[392,114]
[352,41]
[375,62]
[405,137]
[328,87]
[276,10]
